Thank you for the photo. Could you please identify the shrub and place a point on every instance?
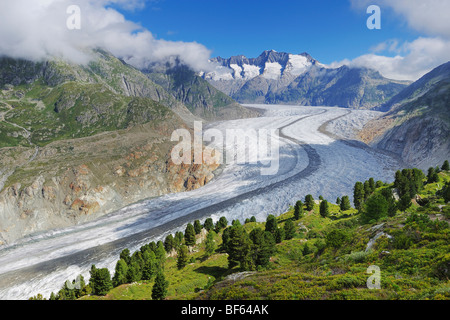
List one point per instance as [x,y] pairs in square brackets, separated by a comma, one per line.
[358,256]
[336,238]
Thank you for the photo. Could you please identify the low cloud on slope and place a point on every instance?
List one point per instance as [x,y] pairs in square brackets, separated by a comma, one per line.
[416,58]
[37,29]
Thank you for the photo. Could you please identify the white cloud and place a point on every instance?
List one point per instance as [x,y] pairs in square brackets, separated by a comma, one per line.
[429,17]
[416,59]
[36,30]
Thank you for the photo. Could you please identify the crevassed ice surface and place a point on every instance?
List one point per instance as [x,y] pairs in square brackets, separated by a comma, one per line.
[43,262]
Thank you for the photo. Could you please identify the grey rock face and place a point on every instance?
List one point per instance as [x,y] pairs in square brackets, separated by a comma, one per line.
[282,78]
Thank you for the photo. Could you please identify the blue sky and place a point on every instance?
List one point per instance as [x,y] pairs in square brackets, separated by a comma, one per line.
[329,30]
[414,36]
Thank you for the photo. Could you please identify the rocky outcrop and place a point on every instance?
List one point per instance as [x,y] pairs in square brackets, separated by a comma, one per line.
[68,194]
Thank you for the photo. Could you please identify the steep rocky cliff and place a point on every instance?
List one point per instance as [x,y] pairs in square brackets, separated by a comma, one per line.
[417,126]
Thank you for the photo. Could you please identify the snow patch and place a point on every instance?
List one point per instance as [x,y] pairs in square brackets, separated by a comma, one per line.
[272,70]
[297,64]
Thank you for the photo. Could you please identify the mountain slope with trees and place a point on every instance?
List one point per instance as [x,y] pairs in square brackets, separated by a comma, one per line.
[401,229]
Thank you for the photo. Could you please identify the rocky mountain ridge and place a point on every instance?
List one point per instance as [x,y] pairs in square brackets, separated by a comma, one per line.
[284,78]
[417,122]
[81,141]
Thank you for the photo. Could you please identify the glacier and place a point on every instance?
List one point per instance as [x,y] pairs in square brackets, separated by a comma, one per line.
[312,161]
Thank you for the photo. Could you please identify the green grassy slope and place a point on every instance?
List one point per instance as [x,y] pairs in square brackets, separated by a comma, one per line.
[411,250]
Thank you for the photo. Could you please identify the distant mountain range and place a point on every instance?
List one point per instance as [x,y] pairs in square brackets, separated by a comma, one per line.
[284,78]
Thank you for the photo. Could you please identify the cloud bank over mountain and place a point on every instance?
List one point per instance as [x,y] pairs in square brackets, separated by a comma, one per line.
[37,29]
[409,60]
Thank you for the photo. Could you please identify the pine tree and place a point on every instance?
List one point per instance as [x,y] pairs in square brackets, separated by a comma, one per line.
[358,195]
[376,207]
[298,210]
[210,244]
[182,257]
[345,203]
[169,243]
[445,166]
[372,184]
[126,256]
[338,201]
[271,224]
[404,203]
[392,206]
[324,209]
[263,246]
[120,273]
[279,235]
[159,291]
[133,273]
[252,219]
[209,224]
[239,249]
[197,227]
[223,222]
[289,229]
[151,266]
[446,192]
[100,281]
[160,253]
[178,239]
[367,190]
[309,202]
[432,175]
[225,238]
[189,235]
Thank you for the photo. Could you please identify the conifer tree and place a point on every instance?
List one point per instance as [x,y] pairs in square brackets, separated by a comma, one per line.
[309,202]
[100,281]
[239,249]
[345,203]
[358,195]
[209,224]
[298,210]
[182,257]
[189,235]
[445,166]
[210,244]
[197,227]
[151,266]
[159,291]
[289,229]
[324,209]
[279,235]
[271,224]
[120,273]
[169,243]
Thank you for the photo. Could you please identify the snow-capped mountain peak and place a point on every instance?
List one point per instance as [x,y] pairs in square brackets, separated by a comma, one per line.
[270,64]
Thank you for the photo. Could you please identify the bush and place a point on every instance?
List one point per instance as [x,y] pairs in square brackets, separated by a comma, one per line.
[336,238]
[402,241]
[346,282]
[376,207]
[358,256]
